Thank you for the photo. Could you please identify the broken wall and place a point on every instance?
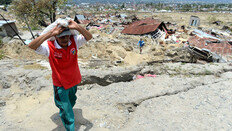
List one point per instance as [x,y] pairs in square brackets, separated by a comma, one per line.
[223,48]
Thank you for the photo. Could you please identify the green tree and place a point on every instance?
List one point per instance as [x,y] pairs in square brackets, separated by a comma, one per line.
[5,2]
[37,10]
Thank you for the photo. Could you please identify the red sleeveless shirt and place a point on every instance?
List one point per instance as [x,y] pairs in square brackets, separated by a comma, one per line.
[64,65]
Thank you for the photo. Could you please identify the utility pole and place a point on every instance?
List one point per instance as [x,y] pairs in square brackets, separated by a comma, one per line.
[25,17]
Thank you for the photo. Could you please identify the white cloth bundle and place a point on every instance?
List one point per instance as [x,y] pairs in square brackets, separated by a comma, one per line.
[62,22]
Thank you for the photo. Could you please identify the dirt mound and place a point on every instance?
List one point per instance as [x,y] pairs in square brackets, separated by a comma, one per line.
[115,47]
[16,50]
[133,58]
[118,47]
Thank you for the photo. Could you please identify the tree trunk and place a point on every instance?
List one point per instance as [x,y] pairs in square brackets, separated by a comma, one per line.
[50,16]
[42,23]
[54,4]
[53,16]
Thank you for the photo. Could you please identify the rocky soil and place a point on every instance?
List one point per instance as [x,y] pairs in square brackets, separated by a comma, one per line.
[180,97]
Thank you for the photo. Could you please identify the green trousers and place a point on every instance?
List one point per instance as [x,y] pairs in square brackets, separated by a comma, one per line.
[65,100]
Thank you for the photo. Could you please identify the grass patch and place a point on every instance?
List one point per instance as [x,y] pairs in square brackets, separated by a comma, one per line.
[34,66]
[207,72]
[1,51]
[183,63]
[35,28]
[1,54]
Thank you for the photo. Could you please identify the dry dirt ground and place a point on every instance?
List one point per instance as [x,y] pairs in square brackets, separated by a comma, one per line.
[182,96]
[180,19]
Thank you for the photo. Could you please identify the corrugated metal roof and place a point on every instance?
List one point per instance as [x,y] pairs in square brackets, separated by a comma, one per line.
[3,22]
[80,17]
[223,47]
[142,27]
[202,34]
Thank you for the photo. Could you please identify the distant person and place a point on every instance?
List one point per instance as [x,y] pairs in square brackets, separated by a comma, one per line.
[140,44]
[62,55]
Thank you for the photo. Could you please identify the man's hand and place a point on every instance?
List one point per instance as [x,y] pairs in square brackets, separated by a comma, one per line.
[73,25]
[80,29]
[57,30]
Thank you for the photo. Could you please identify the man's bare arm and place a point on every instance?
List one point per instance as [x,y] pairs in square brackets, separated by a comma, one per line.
[34,44]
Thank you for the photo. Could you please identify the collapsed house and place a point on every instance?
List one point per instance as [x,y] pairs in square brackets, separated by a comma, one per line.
[6,28]
[81,19]
[148,26]
[212,44]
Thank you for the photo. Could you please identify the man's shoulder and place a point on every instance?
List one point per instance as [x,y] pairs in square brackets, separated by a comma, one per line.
[49,43]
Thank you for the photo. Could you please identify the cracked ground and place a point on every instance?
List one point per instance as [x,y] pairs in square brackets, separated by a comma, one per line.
[180,97]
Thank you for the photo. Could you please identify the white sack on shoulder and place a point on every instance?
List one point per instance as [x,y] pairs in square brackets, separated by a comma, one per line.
[61,22]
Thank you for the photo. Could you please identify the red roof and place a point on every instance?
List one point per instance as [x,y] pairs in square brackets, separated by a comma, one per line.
[142,27]
[223,47]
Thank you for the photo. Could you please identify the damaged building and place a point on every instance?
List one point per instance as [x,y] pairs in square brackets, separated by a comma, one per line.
[148,26]
[212,44]
[6,28]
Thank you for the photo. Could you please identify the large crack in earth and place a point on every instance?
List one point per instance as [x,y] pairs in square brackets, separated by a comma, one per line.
[128,76]
[131,106]
[109,79]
